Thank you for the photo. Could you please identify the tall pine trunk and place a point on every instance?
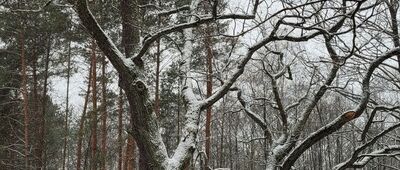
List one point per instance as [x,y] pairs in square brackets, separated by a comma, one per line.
[104,114]
[157,91]
[35,111]
[120,126]
[25,108]
[42,128]
[66,108]
[82,122]
[209,93]
[93,162]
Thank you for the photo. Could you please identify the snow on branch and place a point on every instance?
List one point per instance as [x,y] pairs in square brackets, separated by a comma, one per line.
[371,118]
[250,113]
[275,91]
[104,42]
[149,139]
[4,9]
[337,123]
[41,8]
[173,11]
[385,152]
[186,146]
[193,23]
[150,6]
[350,162]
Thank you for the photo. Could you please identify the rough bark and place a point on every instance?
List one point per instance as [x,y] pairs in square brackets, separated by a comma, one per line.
[145,126]
[130,35]
[130,38]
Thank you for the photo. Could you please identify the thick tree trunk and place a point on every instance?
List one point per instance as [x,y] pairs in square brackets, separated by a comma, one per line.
[130,35]
[130,38]
[145,127]
[151,152]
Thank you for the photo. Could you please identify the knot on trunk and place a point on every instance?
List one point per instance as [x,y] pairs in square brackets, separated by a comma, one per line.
[140,86]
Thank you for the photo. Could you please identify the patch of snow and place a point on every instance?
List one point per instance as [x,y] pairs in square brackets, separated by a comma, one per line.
[4,9]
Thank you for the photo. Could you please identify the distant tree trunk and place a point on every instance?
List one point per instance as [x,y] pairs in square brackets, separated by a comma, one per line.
[66,108]
[264,111]
[25,108]
[157,92]
[103,115]
[120,140]
[93,163]
[221,142]
[82,122]
[230,146]
[42,128]
[251,156]
[35,111]
[209,93]
[178,116]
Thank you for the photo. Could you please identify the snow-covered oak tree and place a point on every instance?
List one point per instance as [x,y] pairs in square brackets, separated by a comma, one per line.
[145,127]
[335,25]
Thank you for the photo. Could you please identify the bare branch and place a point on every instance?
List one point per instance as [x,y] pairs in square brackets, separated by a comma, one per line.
[371,118]
[354,157]
[337,123]
[256,118]
[199,21]
[385,152]
[41,8]
[173,11]
[250,113]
